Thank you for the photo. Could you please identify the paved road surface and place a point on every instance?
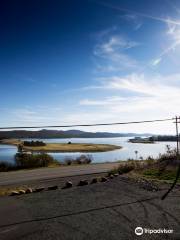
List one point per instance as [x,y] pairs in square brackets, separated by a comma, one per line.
[103,211]
[16,177]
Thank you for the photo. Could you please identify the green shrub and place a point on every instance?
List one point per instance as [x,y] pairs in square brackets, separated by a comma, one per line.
[83,159]
[6,166]
[34,143]
[123,168]
[170,157]
[24,160]
[68,161]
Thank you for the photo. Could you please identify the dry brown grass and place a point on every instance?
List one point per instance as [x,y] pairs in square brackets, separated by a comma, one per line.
[4,191]
[73,147]
[64,147]
[11,141]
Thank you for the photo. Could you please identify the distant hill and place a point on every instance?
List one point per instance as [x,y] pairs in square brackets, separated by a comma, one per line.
[63,134]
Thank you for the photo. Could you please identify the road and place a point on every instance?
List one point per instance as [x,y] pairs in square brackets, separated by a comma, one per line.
[22,176]
[103,211]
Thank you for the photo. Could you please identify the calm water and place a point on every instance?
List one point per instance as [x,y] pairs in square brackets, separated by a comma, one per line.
[7,152]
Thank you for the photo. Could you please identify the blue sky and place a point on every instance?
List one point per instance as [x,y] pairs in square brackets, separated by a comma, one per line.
[89,61]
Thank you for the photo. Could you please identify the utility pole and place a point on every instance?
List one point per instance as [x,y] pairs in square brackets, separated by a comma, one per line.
[177,120]
[177,137]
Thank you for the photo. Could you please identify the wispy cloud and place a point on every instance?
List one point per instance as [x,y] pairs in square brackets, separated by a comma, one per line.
[114,43]
[102,102]
[173,32]
[156,18]
[112,53]
[173,27]
[152,96]
[134,20]
[156,85]
[105,32]
[173,5]
[156,61]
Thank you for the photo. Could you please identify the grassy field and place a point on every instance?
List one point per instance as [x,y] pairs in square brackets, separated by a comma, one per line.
[73,147]
[168,175]
[64,147]
[10,141]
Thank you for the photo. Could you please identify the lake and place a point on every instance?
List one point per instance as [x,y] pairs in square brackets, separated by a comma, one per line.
[7,152]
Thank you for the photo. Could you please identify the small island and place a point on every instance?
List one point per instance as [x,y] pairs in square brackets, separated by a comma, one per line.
[31,146]
[141,140]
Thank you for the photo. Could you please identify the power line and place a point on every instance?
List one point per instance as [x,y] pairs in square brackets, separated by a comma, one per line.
[89,125]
